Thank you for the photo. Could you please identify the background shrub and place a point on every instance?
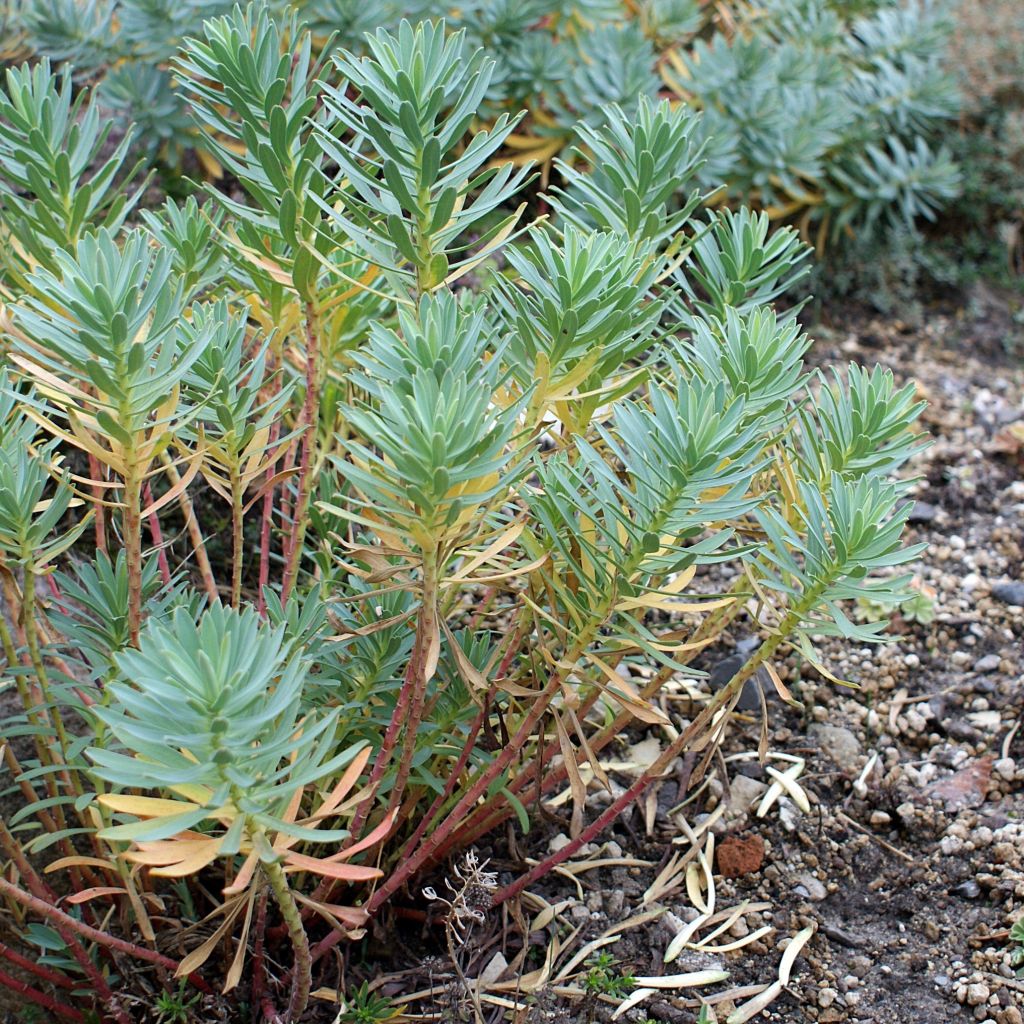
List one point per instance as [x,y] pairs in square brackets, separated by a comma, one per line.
[825,112]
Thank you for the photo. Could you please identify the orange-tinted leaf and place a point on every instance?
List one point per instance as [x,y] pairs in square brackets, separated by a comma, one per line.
[344,872]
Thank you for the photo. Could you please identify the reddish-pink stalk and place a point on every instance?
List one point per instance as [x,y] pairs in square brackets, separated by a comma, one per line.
[450,823]
[724,698]
[324,889]
[266,528]
[587,835]
[87,699]
[26,788]
[453,778]
[41,999]
[427,630]
[11,956]
[493,815]
[387,747]
[158,538]
[60,919]
[468,747]
[310,421]
[100,520]
[58,916]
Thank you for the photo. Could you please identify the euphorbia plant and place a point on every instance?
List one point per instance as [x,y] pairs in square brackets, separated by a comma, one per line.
[472,482]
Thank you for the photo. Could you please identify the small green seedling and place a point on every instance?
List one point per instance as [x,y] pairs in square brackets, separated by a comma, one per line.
[1017,945]
[603,980]
[175,1007]
[366,1007]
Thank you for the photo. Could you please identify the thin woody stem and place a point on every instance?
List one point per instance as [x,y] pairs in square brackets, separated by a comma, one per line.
[40,999]
[302,972]
[58,916]
[680,744]
[156,533]
[132,521]
[195,535]
[426,640]
[237,538]
[310,421]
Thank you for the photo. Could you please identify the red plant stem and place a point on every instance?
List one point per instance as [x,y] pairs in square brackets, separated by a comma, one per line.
[453,779]
[493,816]
[26,789]
[449,824]
[482,608]
[60,919]
[259,977]
[266,526]
[310,420]
[324,890]
[100,522]
[52,913]
[668,755]
[87,699]
[52,977]
[131,525]
[158,538]
[427,630]
[285,511]
[587,835]
[195,535]
[41,999]
[467,750]
[13,849]
[387,747]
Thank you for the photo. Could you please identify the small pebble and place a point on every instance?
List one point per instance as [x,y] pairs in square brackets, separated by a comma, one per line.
[1010,593]
[990,663]
[968,890]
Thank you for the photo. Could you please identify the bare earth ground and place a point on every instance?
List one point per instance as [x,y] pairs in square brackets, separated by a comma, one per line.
[912,877]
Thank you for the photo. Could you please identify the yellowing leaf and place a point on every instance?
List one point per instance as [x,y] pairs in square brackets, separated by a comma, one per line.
[144,806]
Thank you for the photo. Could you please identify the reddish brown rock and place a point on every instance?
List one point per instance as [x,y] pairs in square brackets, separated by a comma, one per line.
[967,788]
[738,857]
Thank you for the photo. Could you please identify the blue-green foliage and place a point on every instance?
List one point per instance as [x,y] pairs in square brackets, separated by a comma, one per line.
[829,107]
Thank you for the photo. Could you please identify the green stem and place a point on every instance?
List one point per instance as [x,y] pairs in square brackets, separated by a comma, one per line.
[236,538]
[302,972]
[24,691]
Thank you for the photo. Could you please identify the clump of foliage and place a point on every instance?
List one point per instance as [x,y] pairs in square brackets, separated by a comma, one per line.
[824,113]
[979,237]
[473,522]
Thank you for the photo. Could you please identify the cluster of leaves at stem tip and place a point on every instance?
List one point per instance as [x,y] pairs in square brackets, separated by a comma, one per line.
[825,112]
[345,514]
